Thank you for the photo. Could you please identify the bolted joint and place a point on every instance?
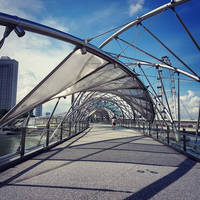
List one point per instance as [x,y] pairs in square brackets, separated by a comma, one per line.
[19,31]
[83,50]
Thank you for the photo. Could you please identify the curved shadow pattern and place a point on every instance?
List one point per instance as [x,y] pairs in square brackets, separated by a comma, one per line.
[154,188]
[41,161]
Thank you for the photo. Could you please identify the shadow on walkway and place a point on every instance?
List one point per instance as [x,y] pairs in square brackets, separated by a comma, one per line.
[138,150]
[161,184]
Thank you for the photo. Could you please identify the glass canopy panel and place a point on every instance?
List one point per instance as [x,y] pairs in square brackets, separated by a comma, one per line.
[85,72]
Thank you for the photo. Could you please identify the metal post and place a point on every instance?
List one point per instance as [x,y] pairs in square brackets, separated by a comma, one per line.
[75,127]
[61,132]
[47,138]
[23,136]
[70,129]
[72,105]
[157,131]
[143,127]
[179,116]
[184,140]
[149,129]
[168,130]
[79,124]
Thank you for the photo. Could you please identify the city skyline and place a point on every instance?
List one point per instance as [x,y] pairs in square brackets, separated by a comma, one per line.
[84,20]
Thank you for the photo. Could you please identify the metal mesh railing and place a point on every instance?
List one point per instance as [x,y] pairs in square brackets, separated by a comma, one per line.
[184,141]
[30,139]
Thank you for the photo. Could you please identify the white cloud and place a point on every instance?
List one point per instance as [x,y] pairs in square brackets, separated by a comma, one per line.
[135,6]
[189,106]
[21,8]
[37,55]
[52,22]
[190,93]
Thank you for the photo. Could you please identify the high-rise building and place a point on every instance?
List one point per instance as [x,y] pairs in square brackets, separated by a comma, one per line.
[8,82]
[38,111]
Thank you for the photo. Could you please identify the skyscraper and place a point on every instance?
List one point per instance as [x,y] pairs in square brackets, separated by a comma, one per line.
[38,111]
[8,82]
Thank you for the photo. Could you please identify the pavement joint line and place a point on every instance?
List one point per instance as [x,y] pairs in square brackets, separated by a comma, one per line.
[119,162]
[159,152]
[69,187]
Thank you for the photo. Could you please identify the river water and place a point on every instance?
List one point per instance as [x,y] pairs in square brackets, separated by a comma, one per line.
[10,143]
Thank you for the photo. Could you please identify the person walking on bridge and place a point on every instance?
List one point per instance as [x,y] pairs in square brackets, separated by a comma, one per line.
[114,121]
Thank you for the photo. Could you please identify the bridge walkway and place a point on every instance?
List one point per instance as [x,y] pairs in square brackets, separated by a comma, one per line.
[102,163]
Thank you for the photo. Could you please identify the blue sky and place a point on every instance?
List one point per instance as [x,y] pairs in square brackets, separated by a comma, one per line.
[88,18]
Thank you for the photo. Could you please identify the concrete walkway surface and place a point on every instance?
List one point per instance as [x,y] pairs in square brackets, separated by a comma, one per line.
[101,164]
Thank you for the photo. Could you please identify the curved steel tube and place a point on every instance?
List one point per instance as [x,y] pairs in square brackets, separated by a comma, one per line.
[196,78]
[156,11]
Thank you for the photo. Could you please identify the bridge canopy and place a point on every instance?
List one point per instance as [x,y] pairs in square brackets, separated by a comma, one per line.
[88,72]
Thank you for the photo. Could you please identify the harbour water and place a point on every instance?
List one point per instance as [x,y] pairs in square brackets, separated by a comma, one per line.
[10,143]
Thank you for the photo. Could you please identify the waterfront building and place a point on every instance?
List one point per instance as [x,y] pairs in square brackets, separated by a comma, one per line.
[38,111]
[48,113]
[8,82]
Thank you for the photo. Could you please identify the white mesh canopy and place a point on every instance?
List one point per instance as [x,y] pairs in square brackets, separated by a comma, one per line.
[87,72]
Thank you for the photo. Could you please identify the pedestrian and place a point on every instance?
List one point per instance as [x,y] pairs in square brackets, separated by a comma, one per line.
[114,120]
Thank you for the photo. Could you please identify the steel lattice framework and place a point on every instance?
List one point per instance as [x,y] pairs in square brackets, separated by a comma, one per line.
[99,76]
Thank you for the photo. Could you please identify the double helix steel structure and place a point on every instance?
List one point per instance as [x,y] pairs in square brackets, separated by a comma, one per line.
[111,79]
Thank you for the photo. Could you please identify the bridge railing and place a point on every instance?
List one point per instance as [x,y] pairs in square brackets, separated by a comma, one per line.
[183,141]
[26,141]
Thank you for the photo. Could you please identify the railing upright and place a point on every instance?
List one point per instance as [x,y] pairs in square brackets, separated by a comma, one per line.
[70,128]
[61,131]
[22,144]
[157,131]
[143,127]
[184,140]
[149,128]
[47,138]
[168,130]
